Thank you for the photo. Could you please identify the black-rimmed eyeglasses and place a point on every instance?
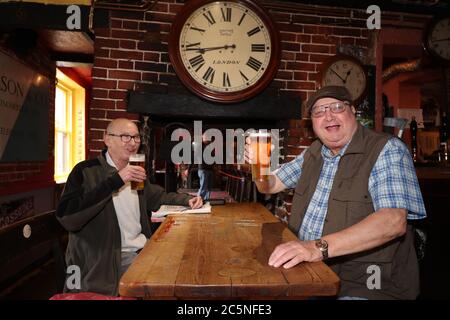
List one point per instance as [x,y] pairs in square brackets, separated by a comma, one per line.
[126,137]
[335,107]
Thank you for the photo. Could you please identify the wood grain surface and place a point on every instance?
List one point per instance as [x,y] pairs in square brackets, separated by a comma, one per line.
[222,255]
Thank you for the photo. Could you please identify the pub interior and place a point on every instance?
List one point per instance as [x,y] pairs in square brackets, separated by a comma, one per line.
[68,68]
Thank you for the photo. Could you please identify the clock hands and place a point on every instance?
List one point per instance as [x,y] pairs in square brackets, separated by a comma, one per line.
[203,50]
[343,80]
[348,73]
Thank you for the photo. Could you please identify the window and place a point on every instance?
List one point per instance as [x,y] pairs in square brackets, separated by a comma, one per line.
[69,126]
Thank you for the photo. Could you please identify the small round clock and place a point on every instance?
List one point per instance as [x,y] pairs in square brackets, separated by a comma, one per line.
[224,51]
[437,39]
[347,71]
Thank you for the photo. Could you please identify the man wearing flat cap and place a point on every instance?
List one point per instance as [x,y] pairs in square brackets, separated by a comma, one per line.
[355,191]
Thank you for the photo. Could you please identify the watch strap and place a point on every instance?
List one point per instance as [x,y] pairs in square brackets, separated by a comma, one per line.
[322,245]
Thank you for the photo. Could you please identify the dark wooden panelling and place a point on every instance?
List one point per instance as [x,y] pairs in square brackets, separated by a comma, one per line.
[18,252]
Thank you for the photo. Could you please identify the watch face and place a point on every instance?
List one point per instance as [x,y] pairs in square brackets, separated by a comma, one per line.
[321,244]
[346,73]
[225,46]
[439,39]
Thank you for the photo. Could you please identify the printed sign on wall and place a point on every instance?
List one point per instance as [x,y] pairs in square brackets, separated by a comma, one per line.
[13,211]
[24,104]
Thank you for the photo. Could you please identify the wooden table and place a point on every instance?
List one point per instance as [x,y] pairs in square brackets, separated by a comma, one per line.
[222,255]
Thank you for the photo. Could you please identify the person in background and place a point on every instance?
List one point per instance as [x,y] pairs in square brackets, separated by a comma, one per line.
[108,222]
[206,175]
[355,191]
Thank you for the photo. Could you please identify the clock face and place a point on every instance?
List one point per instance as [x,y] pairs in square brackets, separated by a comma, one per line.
[225,50]
[438,41]
[347,73]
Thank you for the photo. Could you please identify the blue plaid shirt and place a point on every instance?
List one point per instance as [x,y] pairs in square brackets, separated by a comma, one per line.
[392,184]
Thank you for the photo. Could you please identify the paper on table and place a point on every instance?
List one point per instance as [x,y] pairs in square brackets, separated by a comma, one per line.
[164,210]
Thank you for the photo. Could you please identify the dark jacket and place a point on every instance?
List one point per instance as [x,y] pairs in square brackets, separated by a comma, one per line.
[349,203]
[87,211]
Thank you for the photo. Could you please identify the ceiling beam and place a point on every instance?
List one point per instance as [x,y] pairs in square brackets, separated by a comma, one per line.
[73,58]
[72,64]
[57,2]
[406,6]
[34,16]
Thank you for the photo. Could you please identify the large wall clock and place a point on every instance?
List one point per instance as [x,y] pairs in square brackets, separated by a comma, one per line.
[437,39]
[347,71]
[224,51]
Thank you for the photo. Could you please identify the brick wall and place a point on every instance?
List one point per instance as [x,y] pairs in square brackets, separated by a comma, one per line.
[19,177]
[132,55]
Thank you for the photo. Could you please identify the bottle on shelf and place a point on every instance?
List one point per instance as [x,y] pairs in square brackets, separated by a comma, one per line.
[444,136]
[444,130]
[413,128]
[443,156]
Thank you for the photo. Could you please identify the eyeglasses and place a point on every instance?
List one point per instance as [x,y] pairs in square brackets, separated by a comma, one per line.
[335,107]
[126,137]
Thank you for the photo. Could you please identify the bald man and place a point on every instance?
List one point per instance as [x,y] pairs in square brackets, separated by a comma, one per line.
[108,223]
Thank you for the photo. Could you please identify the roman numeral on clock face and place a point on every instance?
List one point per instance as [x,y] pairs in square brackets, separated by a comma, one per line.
[254,63]
[208,16]
[244,77]
[226,80]
[241,19]
[209,75]
[198,29]
[253,31]
[192,46]
[258,47]
[197,61]
[226,14]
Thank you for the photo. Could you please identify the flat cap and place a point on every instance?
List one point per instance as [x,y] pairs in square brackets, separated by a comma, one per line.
[337,92]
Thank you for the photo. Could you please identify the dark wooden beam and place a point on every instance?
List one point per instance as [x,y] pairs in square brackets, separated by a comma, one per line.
[71,64]
[32,15]
[73,57]
[261,107]
[417,7]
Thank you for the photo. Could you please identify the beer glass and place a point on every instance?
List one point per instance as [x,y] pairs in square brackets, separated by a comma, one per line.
[137,159]
[260,146]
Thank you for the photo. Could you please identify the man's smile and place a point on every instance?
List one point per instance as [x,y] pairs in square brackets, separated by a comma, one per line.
[332,127]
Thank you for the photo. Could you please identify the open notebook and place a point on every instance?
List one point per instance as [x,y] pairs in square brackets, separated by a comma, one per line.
[164,210]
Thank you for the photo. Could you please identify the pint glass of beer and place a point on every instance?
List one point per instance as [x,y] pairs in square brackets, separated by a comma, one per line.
[260,143]
[137,159]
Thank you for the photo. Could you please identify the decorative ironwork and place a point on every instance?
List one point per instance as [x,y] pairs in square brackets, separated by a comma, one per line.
[402,67]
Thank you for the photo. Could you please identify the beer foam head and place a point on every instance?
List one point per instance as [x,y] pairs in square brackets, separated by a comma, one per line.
[260,134]
[137,157]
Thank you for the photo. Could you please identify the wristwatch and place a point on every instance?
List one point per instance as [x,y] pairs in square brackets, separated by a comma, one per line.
[322,245]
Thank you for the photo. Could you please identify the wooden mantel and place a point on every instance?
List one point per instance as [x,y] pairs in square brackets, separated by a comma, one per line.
[262,107]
